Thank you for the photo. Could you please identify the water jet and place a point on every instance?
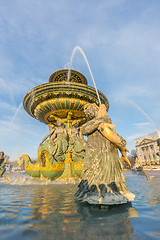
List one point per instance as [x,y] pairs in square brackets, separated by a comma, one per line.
[78,48]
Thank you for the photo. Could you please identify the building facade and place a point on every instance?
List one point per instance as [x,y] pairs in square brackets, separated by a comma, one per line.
[147,149]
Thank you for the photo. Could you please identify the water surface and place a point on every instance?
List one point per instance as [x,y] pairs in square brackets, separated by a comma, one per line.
[40,211]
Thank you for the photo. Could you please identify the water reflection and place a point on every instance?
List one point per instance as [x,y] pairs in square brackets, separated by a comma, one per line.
[51,212]
[60,215]
[154,191]
[110,223]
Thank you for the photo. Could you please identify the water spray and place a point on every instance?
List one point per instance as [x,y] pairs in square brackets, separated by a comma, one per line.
[9,128]
[77,48]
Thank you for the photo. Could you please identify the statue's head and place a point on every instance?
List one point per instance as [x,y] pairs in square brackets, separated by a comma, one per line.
[91,110]
[51,126]
[60,123]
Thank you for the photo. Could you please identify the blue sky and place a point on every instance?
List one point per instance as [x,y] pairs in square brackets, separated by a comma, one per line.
[121,39]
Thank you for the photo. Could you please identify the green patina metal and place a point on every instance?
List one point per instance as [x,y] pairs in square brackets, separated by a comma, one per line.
[60,104]
[35,174]
[51,174]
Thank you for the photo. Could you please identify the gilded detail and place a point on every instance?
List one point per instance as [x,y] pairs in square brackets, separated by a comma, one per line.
[70,109]
[60,105]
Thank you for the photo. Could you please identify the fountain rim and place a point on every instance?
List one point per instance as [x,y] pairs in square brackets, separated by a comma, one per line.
[37,91]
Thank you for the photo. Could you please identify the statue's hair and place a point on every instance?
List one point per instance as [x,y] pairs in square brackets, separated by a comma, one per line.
[90,105]
[90,108]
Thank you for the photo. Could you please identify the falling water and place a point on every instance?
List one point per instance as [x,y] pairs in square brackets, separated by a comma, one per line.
[77,48]
[9,90]
[142,111]
[3,82]
[145,114]
[11,123]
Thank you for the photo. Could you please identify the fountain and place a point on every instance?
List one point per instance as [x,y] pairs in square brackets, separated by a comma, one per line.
[35,209]
[72,109]
[59,104]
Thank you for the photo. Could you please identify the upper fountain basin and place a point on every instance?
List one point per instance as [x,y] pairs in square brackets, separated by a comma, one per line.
[62,76]
[61,98]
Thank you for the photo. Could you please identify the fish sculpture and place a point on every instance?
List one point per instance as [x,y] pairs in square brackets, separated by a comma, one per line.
[108,131]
